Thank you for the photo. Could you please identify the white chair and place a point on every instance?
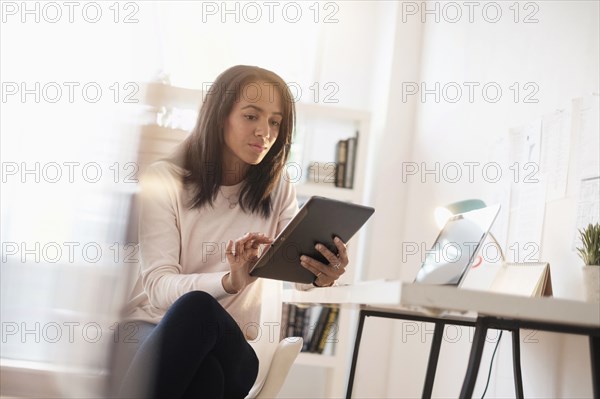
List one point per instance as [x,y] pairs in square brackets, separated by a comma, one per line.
[281,362]
[276,357]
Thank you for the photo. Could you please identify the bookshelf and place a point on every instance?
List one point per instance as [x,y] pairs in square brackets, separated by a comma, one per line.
[318,130]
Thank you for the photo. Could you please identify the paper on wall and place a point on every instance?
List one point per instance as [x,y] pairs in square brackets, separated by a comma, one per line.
[588,206]
[556,143]
[587,126]
[527,193]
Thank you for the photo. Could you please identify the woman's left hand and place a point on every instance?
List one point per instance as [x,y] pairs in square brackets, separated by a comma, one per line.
[327,274]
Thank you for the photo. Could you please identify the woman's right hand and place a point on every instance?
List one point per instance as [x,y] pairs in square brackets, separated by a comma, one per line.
[241,256]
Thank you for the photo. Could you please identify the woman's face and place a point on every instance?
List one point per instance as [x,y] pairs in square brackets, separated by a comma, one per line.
[251,127]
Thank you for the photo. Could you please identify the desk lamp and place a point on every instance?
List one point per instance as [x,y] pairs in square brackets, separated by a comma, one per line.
[443,213]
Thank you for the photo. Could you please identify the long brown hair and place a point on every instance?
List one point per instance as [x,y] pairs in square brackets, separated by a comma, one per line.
[203,158]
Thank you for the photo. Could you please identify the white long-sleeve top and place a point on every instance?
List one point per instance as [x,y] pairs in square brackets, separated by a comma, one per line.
[183,249]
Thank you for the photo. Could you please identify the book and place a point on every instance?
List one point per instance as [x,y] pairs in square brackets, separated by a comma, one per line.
[299,321]
[350,161]
[318,330]
[285,312]
[315,313]
[291,325]
[340,162]
[330,329]
[530,279]
[304,324]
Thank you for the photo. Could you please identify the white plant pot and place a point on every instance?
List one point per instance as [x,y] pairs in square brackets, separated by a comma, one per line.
[591,282]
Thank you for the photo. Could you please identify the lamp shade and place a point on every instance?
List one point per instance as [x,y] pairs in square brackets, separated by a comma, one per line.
[443,213]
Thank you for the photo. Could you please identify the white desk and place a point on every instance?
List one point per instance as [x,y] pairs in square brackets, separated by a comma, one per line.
[512,313]
[443,305]
[546,309]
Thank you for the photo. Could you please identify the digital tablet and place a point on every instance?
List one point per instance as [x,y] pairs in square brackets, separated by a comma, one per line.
[318,221]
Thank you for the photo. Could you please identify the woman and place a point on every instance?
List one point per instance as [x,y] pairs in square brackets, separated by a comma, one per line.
[205,215]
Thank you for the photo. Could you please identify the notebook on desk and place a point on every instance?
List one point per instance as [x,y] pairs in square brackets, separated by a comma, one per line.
[456,246]
[527,279]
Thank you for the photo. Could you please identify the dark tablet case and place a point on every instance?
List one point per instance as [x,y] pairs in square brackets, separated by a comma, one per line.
[319,220]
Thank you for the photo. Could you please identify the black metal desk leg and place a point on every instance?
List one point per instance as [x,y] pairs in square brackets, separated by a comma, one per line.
[595,360]
[361,323]
[434,355]
[474,359]
[516,349]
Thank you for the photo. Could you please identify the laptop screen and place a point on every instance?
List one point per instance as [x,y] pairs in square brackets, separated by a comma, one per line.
[456,246]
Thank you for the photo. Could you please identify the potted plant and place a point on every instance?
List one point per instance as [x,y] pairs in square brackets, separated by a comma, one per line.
[590,253]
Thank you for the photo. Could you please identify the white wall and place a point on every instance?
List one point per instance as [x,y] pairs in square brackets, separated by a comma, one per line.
[559,54]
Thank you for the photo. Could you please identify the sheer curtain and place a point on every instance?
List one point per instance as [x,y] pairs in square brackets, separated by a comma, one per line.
[68,144]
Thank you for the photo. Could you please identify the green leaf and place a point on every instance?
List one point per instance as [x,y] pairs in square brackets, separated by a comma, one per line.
[589,252]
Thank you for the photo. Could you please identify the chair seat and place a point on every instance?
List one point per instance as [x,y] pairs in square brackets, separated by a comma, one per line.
[283,358]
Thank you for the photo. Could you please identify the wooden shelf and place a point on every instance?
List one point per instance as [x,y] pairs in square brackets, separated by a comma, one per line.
[160,94]
[375,292]
[326,190]
[331,112]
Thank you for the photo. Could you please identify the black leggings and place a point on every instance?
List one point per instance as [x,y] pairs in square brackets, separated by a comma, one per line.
[197,350]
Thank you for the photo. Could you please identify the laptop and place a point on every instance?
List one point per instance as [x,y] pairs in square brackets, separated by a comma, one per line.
[456,247]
